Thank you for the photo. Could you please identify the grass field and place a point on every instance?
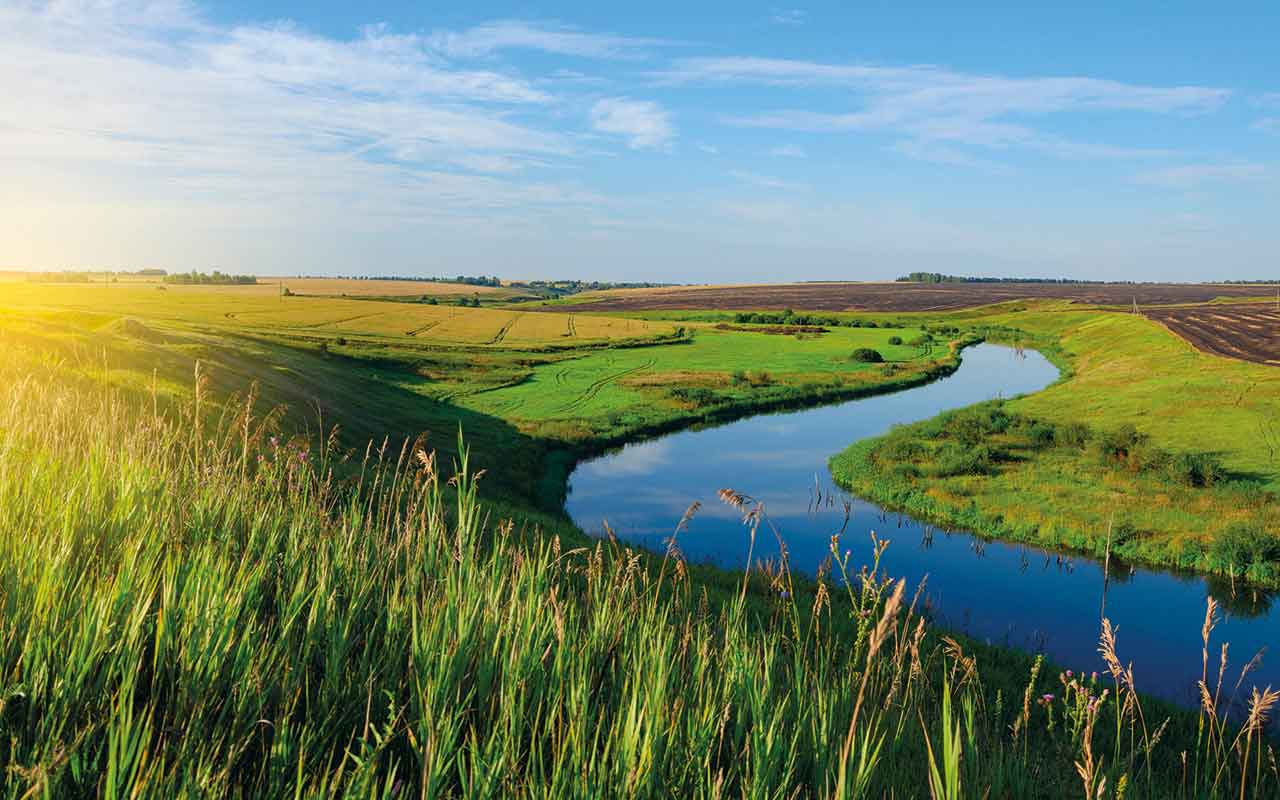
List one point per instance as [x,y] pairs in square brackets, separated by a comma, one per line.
[529,389]
[260,309]
[229,553]
[1126,371]
[198,610]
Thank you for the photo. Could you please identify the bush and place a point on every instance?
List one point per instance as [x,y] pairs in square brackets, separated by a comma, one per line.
[895,340]
[867,356]
[694,395]
[901,449]
[1195,469]
[957,460]
[1073,434]
[1120,445]
[1042,435]
[973,425]
[1241,546]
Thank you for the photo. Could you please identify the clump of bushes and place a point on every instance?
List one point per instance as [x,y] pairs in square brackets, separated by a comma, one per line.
[867,355]
[1195,469]
[696,396]
[895,340]
[954,459]
[1242,546]
[751,378]
[790,317]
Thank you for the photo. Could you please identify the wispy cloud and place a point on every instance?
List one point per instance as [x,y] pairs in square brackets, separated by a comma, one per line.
[788,16]
[709,149]
[492,37]
[160,102]
[789,151]
[932,104]
[1267,124]
[643,123]
[938,153]
[764,181]
[1191,175]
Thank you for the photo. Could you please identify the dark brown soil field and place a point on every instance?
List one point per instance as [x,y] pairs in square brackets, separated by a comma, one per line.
[1247,331]
[908,296]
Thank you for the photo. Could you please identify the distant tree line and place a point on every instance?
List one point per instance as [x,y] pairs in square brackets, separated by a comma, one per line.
[478,280]
[215,278]
[87,276]
[789,317]
[938,277]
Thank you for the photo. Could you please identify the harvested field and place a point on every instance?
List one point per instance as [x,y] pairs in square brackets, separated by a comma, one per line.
[908,296]
[1247,331]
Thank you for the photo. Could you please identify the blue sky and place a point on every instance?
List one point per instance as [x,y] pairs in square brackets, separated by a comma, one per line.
[670,142]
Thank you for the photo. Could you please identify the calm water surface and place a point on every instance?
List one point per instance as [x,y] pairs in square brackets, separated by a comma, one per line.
[1003,593]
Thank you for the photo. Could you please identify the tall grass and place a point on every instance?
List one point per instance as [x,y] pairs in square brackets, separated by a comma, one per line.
[195,608]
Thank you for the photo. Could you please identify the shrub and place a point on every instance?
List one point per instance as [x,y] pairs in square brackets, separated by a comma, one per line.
[694,395]
[956,460]
[1195,469]
[1042,435]
[1116,446]
[867,356]
[901,449]
[972,426]
[1241,546]
[895,340]
[1073,434]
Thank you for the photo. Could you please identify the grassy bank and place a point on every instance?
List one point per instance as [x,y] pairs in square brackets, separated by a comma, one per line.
[1147,449]
[197,610]
[527,404]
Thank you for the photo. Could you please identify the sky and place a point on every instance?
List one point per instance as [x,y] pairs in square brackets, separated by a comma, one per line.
[673,142]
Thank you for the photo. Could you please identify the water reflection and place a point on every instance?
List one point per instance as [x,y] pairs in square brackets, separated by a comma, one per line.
[1004,593]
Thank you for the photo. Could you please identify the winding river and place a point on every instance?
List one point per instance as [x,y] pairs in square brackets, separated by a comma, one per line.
[1008,594]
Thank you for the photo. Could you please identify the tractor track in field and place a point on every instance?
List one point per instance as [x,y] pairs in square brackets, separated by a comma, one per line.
[344,319]
[505,329]
[573,328]
[1247,332]
[423,329]
[594,388]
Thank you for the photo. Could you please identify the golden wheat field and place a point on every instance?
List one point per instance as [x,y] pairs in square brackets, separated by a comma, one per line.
[262,309]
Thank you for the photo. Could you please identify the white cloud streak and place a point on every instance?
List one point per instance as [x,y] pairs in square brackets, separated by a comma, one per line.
[931,104]
[644,124]
[789,151]
[1192,175]
[788,16]
[491,37]
[151,95]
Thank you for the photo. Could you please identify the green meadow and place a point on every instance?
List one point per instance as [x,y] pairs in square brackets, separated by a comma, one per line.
[1130,378]
[320,554]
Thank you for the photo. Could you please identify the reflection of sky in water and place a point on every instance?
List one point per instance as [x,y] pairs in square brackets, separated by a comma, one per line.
[1004,593]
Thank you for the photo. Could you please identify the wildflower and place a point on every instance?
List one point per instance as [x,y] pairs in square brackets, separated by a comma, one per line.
[275,441]
[1048,698]
[784,594]
[1070,673]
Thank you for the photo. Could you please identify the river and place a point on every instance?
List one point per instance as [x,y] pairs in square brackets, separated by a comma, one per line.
[1003,593]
